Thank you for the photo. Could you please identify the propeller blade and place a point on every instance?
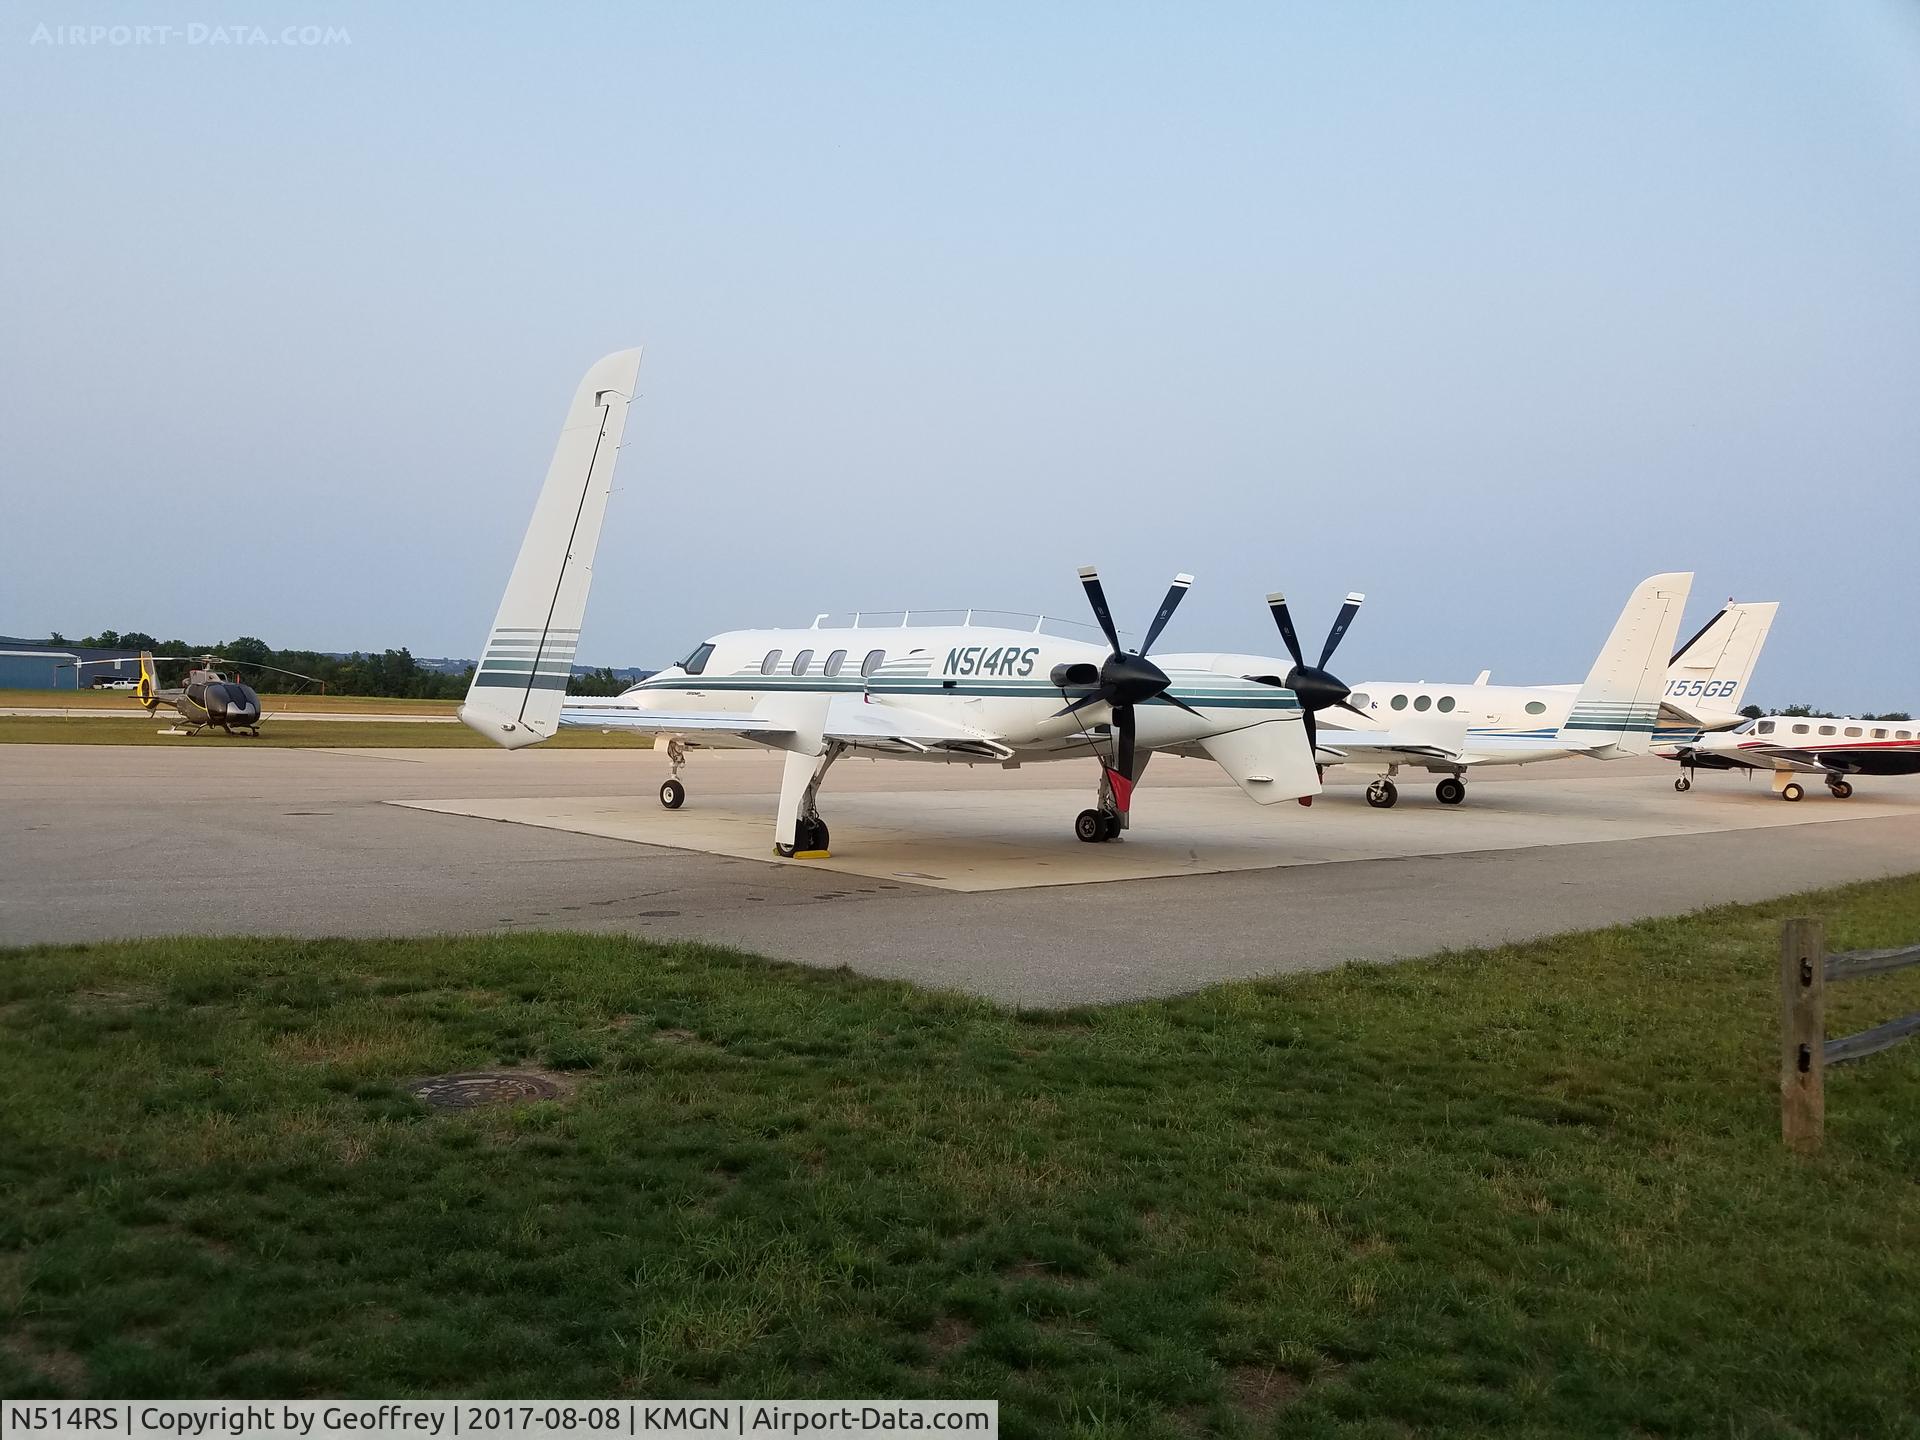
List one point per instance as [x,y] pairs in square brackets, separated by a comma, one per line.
[1355,709]
[1082,703]
[1176,700]
[1176,592]
[1123,739]
[1090,581]
[1339,630]
[1283,617]
[1313,733]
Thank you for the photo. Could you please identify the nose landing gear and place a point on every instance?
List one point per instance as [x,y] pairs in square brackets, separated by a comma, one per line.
[673,794]
[1840,789]
[1382,794]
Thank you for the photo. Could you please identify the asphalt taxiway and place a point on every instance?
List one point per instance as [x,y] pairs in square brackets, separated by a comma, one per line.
[955,877]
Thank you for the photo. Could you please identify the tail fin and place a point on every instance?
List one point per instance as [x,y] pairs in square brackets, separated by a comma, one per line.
[1615,711]
[147,692]
[522,676]
[1707,679]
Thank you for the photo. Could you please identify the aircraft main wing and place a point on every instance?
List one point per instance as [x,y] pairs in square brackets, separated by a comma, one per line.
[580,713]
[897,730]
[849,721]
[1362,745]
[1800,760]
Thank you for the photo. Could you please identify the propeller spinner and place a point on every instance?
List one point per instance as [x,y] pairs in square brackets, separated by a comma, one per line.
[1318,688]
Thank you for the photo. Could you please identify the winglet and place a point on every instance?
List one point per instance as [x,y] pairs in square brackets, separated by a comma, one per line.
[515,696]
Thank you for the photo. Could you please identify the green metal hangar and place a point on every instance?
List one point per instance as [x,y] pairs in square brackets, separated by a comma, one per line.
[53,665]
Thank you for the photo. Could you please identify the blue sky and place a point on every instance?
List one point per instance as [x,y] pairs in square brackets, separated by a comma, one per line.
[1486,310]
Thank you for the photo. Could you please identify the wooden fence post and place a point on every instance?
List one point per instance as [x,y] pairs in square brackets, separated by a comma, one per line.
[1803,1034]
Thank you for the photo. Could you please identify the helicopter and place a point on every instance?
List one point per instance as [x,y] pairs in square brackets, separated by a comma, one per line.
[209,697]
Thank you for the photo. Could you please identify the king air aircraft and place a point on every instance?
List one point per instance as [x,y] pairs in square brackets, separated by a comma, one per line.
[967,694]
[1632,697]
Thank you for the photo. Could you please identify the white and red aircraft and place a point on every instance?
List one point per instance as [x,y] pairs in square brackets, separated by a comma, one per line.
[965,693]
[1790,745]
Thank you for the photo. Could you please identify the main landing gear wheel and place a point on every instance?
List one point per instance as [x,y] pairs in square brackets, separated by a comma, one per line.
[1382,793]
[1791,790]
[1095,826]
[1683,784]
[673,794]
[1450,791]
[807,835]
[1842,789]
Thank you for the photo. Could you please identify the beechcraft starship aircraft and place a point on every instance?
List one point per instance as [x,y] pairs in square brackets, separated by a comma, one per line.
[963,694]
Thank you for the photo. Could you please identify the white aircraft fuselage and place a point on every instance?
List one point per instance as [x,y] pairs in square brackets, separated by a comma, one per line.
[1506,724]
[998,687]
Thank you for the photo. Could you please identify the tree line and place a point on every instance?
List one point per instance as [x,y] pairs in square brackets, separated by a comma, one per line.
[1754,712]
[390,674]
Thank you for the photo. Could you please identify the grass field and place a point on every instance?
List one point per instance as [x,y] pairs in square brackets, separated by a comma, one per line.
[293,734]
[1533,1191]
[121,700]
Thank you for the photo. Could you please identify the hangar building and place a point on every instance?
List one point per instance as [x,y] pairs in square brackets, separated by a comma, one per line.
[44,665]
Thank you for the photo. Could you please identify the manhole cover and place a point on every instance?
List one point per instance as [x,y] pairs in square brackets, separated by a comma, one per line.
[484,1087]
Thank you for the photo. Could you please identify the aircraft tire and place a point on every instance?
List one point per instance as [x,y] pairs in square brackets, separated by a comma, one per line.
[1791,790]
[673,794]
[1090,826]
[1450,791]
[1683,784]
[1382,794]
[1842,789]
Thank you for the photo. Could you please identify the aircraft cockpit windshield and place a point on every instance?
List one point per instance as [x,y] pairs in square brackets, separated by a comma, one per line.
[1755,727]
[696,663]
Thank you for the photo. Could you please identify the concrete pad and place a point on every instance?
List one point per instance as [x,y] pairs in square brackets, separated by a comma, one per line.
[1001,839]
[104,841]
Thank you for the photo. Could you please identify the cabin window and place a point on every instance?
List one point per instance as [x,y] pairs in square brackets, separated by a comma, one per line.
[1879,734]
[875,659]
[1854,732]
[801,661]
[1536,707]
[771,663]
[1800,729]
[1360,701]
[1764,727]
[1826,729]
[1903,734]
[696,663]
[1399,702]
[1423,702]
[834,662]
[1446,704]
